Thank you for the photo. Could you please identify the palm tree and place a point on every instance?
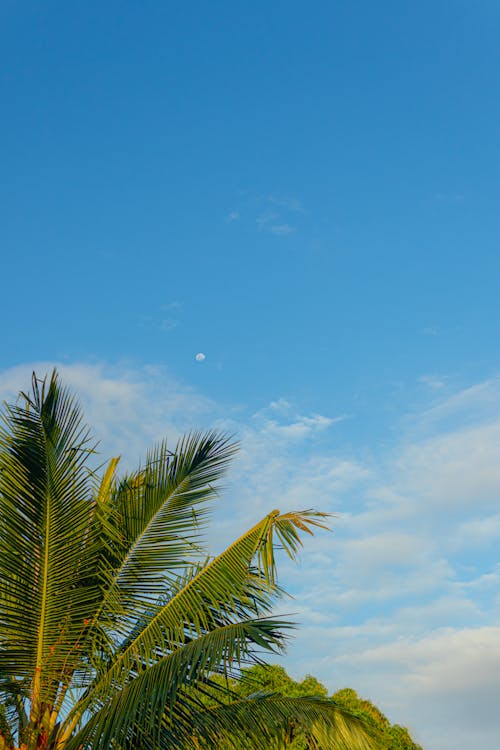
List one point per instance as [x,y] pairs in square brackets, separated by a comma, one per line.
[114,625]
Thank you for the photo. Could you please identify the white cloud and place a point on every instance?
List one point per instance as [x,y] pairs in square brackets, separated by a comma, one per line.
[200,357]
[173,305]
[168,324]
[158,319]
[485,582]
[281,405]
[393,569]
[290,204]
[275,222]
[479,402]
[275,214]
[265,219]
[436,382]
[383,550]
[431,331]
[457,471]
[446,683]
[303,427]
[478,532]
[280,420]
[281,229]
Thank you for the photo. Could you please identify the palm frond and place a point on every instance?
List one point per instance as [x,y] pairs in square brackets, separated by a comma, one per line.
[223,591]
[159,512]
[46,572]
[272,721]
[169,688]
[226,591]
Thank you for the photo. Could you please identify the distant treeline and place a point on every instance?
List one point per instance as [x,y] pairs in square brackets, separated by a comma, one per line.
[274,679]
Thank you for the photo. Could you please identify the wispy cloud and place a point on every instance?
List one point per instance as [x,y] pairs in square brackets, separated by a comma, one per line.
[265,219]
[280,419]
[165,317]
[290,204]
[391,586]
[464,407]
[273,213]
[173,305]
[168,324]
[281,229]
[431,331]
[268,221]
[445,682]
[435,382]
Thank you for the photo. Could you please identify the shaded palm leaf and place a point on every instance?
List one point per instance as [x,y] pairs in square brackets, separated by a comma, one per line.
[272,721]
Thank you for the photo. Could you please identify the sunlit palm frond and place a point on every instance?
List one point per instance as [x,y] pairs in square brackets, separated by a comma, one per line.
[225,590]
[158,513]
[47,582]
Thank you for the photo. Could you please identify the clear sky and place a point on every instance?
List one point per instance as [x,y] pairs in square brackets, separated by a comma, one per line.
[308,194]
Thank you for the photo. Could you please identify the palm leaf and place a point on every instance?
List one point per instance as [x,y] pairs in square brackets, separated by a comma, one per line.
[169,687]
[272,721]
[46,569]
[158,513]
[225,591]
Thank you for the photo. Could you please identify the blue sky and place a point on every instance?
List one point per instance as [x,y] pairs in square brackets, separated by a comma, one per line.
[308,194]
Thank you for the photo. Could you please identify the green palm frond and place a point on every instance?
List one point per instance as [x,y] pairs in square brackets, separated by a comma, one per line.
[272,721]
[114,625]
[47,557]
[158,514]
[171,684]
[224,591]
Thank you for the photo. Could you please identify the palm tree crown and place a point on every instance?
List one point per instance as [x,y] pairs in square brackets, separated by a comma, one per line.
[115,627]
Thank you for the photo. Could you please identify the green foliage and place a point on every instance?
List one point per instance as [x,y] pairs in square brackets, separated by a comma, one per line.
[393,737]
[274,679]
[117,631]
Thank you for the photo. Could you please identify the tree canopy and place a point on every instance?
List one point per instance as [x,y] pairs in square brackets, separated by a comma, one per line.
[393,736]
